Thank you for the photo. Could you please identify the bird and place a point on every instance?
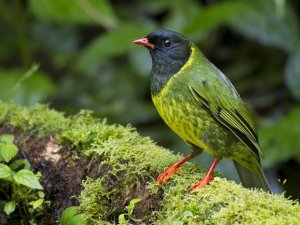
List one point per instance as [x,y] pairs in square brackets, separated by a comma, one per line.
[199,103]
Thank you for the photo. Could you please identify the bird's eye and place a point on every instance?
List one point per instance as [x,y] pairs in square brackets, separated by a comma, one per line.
[167,43]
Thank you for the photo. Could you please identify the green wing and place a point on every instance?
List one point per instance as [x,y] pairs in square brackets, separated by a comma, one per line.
[219,97]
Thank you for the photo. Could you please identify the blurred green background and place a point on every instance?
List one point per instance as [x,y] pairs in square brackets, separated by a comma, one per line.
[87,60]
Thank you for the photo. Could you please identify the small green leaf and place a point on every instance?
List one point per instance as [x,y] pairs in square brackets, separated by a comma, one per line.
[67,214]
[70,217]
[36,203]
[7,138]
[41,194]
[5,171]
[38,174]
[9,207]
[8,151]
[131,205]
[16,164]
[27,178]
[122,220]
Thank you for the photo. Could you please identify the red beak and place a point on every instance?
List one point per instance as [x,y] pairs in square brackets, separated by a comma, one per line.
[144,42]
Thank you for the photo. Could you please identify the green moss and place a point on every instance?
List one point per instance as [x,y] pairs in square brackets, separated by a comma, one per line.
[39,118]
[129,164]
[92,198]
[225,202]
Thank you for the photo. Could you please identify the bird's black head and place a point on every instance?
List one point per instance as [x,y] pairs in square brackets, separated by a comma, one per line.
[169,51]
[166,46]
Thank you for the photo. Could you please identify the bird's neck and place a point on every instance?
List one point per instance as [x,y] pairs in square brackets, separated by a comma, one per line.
[160,75]
[163,70]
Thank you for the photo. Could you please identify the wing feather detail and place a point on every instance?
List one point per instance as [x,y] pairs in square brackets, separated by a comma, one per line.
[233,118]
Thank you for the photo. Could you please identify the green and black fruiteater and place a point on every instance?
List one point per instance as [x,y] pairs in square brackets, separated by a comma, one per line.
[199,103]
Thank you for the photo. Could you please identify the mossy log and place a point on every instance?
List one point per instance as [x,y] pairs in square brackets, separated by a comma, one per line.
[114,165]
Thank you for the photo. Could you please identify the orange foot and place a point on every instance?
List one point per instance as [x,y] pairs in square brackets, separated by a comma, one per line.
[162,178]
[202,183]
[207,178]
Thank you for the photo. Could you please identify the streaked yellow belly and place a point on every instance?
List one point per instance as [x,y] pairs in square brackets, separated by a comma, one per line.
[182,118]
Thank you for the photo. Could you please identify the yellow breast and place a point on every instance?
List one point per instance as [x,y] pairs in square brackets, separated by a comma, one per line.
[182,118]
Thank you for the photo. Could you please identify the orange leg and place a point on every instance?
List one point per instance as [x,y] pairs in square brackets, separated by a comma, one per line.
[162,178]
[207,178]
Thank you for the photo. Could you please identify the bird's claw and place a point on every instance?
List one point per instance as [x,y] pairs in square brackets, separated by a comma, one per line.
[202,183]
[162,178]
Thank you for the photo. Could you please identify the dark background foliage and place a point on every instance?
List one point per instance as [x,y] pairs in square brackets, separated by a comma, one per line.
[86,60]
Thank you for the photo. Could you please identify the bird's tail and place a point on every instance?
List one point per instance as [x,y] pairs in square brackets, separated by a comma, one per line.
[251,179]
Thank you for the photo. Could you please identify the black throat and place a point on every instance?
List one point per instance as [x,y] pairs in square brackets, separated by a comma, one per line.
[164,67]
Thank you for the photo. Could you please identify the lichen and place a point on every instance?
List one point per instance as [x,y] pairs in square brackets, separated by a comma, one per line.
[129,165]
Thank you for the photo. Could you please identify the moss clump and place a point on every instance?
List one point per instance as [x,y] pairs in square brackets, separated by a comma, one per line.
[225,202]
[128,165]
[39,119]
